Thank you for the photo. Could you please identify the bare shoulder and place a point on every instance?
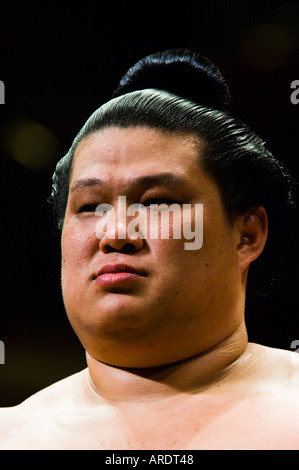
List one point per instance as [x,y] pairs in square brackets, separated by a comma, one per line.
[278,366]
[39,410]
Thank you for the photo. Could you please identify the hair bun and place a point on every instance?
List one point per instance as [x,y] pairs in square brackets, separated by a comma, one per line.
[179,71]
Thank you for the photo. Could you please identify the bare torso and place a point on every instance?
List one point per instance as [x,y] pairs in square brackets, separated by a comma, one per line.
[257,409]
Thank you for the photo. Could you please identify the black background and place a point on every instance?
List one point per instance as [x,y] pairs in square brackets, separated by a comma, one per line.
[59,64]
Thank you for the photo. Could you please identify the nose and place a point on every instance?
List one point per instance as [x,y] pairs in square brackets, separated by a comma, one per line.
[117,237]
[111,242]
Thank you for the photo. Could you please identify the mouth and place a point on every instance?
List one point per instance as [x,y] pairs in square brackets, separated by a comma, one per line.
[117,274]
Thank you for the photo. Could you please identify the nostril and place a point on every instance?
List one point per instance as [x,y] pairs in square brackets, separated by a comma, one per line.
[111,243]
[125,248]
[129,248]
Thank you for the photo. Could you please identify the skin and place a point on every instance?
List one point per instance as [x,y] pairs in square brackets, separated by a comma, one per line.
[169,363]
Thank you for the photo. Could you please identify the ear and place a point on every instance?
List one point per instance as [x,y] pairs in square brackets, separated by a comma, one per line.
[253,232]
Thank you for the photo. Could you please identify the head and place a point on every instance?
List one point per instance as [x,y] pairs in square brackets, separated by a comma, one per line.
[184,301]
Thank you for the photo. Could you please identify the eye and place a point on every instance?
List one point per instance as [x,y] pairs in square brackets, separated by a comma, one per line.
[159,200]
[88,208]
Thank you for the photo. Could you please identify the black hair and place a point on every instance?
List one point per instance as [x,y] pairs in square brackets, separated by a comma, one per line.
[183,92]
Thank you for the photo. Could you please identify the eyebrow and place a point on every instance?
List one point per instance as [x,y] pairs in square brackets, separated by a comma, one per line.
[85,183]
[166,179]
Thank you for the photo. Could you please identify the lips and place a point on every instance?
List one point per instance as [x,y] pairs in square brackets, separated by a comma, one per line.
[116,274]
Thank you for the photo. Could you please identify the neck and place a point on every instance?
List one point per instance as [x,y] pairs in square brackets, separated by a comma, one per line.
[220,363]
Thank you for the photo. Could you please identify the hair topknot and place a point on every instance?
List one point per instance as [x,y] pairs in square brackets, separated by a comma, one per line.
[179,71]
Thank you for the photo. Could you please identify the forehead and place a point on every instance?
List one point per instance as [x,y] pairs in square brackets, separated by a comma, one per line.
[135,151]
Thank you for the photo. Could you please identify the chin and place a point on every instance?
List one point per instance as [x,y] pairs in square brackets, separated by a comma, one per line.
[113,324]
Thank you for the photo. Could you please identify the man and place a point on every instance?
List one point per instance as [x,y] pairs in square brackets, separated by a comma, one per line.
[169,363]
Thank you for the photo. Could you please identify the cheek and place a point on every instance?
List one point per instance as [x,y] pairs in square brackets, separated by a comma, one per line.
[77,246]
[205,256]
[176,265]
[179,223]
[219,255]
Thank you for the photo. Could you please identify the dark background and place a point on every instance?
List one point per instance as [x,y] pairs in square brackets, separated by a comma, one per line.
[58,65]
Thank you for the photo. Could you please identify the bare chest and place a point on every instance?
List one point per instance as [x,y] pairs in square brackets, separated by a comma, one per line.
[210,423]
[248,424]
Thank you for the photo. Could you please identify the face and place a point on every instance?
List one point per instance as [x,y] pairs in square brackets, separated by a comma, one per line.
[144,301]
